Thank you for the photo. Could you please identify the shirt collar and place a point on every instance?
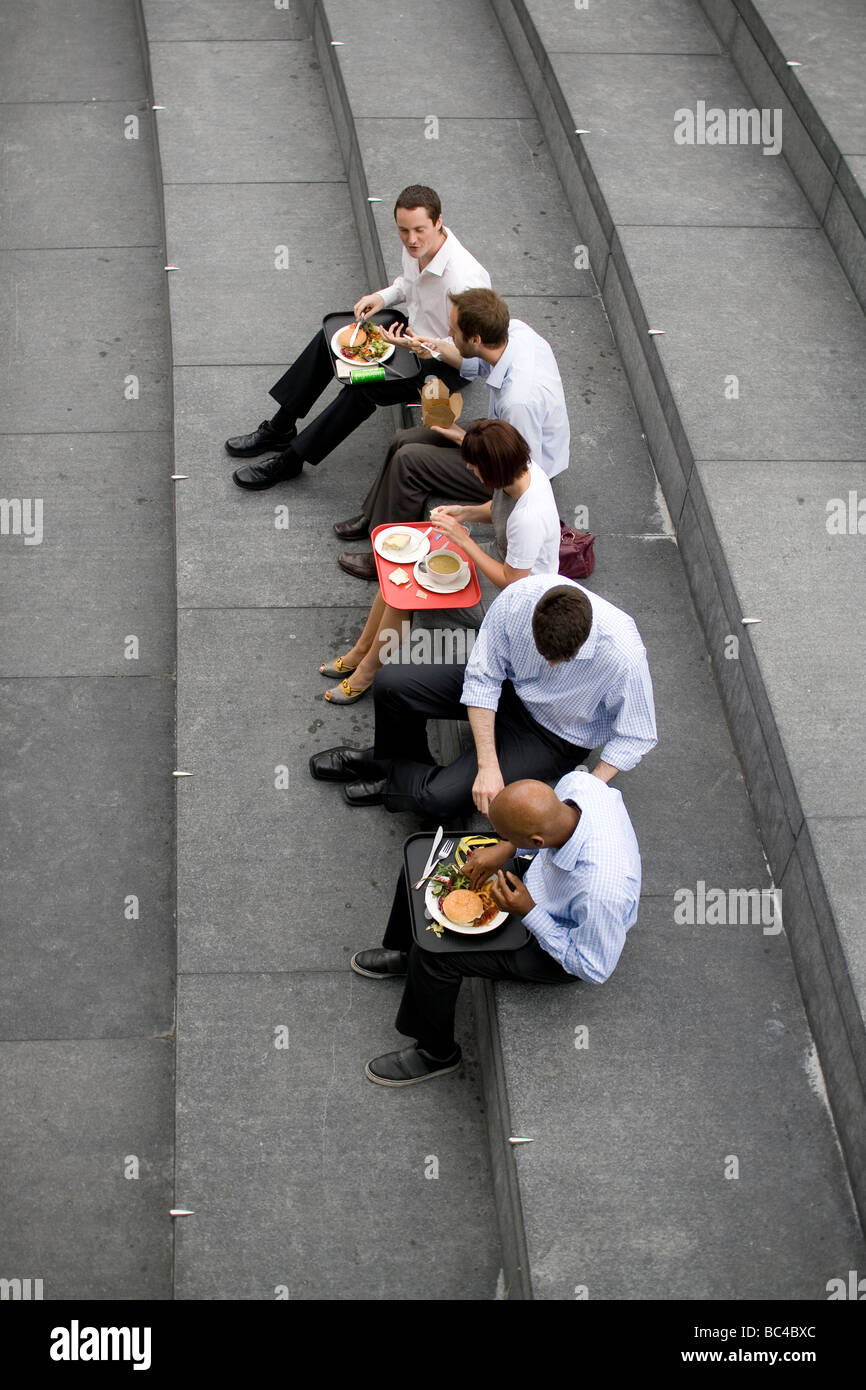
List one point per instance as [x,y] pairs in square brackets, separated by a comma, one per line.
[568,855]
[440,261]
[589,646]
[499,370]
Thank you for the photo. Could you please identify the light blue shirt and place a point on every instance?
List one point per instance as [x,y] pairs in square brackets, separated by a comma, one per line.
[526,391]
[586,893]
[603,696]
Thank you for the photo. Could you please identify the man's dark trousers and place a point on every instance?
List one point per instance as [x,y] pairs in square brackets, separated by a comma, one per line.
[406,696]
[433,982]
[302,385]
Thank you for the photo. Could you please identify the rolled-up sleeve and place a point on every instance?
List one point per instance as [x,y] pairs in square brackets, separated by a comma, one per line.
[488,666]
[634,719]
[470,367]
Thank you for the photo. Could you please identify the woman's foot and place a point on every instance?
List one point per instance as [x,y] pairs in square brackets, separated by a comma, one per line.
[345,693]
[343,666]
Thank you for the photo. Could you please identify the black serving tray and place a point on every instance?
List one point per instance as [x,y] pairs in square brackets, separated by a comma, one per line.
[509,937]
[402,363]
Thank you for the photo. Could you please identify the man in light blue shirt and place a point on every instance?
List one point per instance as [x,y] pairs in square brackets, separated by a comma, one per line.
[577,900]
[524,390]
[555,672]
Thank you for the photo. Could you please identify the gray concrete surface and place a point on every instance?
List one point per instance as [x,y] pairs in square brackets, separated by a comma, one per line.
[315,1184]
[633,1229]
[86,879]
[770,307]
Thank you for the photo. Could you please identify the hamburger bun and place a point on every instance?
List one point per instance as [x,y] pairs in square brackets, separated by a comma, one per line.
[345,336]
[462,907]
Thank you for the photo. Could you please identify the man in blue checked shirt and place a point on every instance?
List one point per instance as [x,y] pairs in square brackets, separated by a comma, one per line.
[556,671]
[577,900]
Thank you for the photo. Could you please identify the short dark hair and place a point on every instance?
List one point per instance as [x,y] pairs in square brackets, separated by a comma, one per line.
[561,622]
[482,314]
[418,195]
[497,450]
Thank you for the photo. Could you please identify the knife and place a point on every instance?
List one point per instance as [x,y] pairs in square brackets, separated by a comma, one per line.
[436,843]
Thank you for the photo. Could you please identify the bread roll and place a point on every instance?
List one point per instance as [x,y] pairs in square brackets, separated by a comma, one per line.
[345,336]
[462,907]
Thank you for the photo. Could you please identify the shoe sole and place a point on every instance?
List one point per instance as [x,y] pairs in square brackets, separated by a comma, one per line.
[377,974]
[412,1080]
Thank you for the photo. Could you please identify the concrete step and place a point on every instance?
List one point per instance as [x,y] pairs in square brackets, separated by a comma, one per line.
[701,1035]
[307,1182]
[820,97]
[745,349]
[86,664]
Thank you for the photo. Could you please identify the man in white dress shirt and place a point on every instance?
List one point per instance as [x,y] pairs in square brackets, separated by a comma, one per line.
[435,265]
[525,390]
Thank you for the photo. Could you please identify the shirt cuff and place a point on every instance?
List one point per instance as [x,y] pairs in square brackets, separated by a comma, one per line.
[392,294]
[626,753]
[476,695]
[469,367]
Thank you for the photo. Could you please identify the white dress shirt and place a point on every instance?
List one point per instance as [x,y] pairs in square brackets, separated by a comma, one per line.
[586,893]
[526,391]
[425,292]
[603,696]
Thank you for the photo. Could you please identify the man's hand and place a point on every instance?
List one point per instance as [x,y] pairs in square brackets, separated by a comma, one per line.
[422,347]
[487,784]
[510,895]
[484,862]
[453,432]
[368,304]
[395,333]
[450,527]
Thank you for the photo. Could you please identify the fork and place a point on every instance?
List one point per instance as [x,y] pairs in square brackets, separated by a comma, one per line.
[444,853]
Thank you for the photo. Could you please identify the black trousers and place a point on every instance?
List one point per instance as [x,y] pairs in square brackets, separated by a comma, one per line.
[406,696]
[433,982]
[302,385]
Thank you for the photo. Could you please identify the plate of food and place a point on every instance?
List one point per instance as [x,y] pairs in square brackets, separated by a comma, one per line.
[368,348]
[402,543]
[454,905]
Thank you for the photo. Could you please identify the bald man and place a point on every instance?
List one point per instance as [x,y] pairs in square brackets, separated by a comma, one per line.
[577,899]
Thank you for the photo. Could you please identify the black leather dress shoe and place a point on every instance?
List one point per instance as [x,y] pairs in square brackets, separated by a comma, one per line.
[366,792]
[339,764]
[379,964]
[353,529]
[261,441]
[409,1066]
[255,477]
[361,566]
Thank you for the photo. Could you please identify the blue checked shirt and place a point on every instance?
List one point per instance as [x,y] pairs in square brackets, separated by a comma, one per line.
[526,392]
[586,892]
[603,696]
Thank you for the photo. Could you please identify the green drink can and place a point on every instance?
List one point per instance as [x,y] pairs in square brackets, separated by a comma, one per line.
[364,374]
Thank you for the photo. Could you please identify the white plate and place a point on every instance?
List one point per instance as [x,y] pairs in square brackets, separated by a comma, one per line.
[452,586]
[436,911]
[355,361]
[415,550]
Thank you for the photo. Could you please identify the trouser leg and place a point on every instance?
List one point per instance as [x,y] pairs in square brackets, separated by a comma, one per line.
[523,747]
[433,983]
[418,463]
[405,697]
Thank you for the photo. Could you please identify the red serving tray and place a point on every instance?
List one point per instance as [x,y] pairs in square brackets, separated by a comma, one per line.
[412,596]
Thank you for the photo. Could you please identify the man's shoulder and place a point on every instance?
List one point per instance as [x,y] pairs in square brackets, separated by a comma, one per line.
[460,261]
